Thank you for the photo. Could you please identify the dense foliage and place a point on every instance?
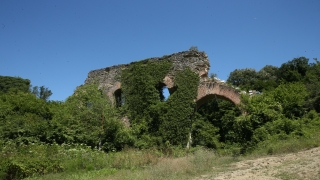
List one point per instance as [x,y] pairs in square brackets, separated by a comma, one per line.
[38,136]
[177,115]
[41,92]
[155,121]
[14,83]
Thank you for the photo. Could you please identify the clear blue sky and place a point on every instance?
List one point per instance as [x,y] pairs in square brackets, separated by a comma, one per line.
[56,43]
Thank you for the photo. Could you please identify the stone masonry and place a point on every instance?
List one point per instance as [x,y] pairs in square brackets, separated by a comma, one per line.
[109,77]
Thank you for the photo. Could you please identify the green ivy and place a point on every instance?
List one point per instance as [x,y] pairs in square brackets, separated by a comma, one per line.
[140,86]
[153,119]
[176,124]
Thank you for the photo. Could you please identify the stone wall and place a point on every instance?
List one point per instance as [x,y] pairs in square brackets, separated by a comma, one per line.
[108,78]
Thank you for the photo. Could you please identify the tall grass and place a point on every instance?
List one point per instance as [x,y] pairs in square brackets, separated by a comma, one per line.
[84,163]
[136,164]
[291,144]
[195,163]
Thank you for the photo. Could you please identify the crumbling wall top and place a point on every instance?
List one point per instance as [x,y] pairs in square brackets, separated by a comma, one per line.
[197,61]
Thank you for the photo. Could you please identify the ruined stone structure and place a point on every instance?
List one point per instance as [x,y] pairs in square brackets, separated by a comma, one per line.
[109,78]
[209,90]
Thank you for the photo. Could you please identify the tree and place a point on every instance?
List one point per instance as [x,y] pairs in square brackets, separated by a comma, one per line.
[205,134]
[243,78]
[292,97]
[193,48]
[250,79]
[268,72]
[266,78]
[41,92]
[14,83]
[312,80]
[88,117]
[221,114]
[294,70]
[23,117]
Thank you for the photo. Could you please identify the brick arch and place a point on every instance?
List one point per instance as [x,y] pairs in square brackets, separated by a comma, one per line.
[208,90]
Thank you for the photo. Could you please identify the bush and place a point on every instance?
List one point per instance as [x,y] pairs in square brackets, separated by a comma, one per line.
[20,161]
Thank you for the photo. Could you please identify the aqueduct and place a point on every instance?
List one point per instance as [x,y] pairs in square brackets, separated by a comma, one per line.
[108,78]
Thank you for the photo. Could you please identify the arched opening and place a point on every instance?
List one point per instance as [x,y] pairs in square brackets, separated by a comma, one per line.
[164,91]
[119,98]
[210,97]
[220,114]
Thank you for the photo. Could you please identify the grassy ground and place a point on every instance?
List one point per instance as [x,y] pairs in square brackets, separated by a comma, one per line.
[203,163]
[132,164]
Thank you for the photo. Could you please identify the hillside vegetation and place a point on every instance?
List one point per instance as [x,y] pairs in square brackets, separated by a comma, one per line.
[84,137]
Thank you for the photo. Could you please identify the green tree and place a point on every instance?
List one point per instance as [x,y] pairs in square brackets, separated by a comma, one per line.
[243,78]
[294,70]
[88,117]
[292,97]
[23,117]
[312,81]
[16,83]
[268,72]
[271,113]
[266,79]
[221,114]
[250,79]
[205,134]
[41,92]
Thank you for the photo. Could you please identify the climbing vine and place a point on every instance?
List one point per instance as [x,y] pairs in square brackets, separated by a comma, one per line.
[139,85]
[154,120]
[177,122]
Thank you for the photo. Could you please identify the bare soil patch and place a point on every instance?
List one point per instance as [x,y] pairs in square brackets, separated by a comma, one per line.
[301,165]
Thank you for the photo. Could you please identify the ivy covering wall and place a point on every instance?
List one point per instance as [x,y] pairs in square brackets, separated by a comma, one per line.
[153,120]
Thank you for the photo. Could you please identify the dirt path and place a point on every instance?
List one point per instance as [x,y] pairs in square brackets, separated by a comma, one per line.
[302,165]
